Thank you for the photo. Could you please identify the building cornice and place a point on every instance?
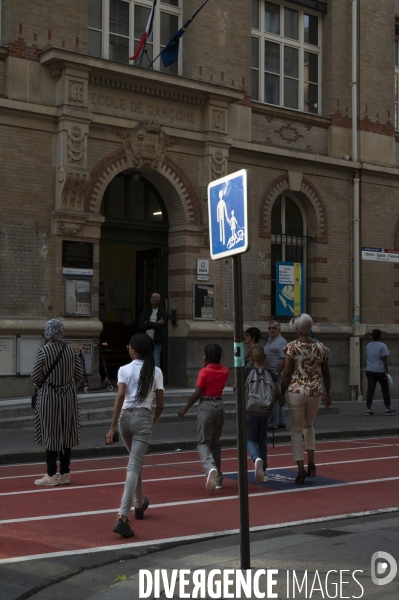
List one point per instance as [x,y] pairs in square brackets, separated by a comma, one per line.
[163,85]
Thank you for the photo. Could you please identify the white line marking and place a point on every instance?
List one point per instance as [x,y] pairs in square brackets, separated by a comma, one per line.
[203,500]
[197,537]
[198,462]
[174,452]
[96,485]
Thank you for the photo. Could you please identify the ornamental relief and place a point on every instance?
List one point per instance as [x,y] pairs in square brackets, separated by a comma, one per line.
[219,120]
[76,146]
[145,146]
[73,187]
[219,165]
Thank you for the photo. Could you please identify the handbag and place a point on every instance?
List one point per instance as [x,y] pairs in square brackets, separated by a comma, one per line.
[33,401]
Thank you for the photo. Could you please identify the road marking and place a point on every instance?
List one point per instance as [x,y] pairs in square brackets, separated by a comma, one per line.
[198,462]
[198,537]
[95,485]
[203,500]
[174,452]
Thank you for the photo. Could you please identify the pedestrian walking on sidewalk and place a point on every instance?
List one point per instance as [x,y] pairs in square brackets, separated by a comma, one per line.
[257,425]
[137,382]
[56,372]
[210,385]
[377,372]
[275,360]
[305,363]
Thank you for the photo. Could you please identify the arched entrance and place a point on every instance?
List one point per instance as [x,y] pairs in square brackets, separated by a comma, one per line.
[133,260]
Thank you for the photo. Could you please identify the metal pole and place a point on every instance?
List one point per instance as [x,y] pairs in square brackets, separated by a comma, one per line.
[241,414]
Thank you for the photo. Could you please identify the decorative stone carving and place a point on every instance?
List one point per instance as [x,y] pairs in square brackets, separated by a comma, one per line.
[219,120]
[219,165]
[68,228]
[76,91]
[76,146]
[73,186]
[145,146]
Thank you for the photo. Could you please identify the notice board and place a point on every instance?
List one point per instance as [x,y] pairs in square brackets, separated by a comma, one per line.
[204,301]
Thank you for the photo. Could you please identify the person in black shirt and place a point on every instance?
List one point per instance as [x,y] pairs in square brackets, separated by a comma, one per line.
[152,322]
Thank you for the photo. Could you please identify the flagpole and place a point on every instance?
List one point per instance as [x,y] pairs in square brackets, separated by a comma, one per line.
[185,25]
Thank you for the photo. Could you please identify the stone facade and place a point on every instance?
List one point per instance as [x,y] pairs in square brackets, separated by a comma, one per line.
[70,123]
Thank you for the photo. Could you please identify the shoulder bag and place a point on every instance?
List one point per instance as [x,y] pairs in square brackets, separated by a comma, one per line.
[51,369]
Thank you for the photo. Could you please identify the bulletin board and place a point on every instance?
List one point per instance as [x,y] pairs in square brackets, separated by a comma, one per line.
[88,350]
[204,301]
[78,296]
[8,355]
[27,347]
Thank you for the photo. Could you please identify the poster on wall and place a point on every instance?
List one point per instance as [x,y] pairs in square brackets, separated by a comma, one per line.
[87,350]
[7,356]
[78,296]
[204,301]
[113,299]
[290,290]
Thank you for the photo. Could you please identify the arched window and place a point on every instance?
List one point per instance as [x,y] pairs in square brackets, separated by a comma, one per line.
[289,239]
[129,198]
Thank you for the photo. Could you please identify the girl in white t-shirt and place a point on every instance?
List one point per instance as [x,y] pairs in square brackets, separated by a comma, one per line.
[137,382]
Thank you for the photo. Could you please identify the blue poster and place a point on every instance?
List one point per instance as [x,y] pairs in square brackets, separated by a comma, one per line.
[290,289]
[228,215]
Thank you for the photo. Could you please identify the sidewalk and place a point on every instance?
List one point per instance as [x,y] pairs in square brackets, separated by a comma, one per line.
[18,446]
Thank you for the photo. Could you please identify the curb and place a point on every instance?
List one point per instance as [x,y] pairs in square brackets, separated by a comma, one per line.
[32,456]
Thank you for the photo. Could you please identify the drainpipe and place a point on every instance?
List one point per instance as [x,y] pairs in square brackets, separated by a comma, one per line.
[355,371]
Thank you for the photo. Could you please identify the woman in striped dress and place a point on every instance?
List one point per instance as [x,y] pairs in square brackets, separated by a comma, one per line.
[57,426]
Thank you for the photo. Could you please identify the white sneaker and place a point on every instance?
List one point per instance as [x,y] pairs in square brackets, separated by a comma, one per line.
[46,480]
[65,479]
[259,472]
[211,480]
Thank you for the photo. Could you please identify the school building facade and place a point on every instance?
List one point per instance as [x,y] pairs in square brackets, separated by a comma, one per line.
[105,166]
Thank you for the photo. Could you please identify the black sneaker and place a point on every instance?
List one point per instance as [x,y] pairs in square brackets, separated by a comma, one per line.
[282,426]
[123,528]
[369,412]
[391,411]
[139,512]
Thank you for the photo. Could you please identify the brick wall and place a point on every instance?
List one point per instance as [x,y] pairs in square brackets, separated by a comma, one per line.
[217,46]
[23,251]
[30,27]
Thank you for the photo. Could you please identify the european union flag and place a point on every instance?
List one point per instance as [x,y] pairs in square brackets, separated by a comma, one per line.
[170,54]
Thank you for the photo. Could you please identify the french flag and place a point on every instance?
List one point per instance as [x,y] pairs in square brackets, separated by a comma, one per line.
[147,33]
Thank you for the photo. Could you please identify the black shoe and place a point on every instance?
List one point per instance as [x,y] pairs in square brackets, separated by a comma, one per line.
[139,512]
[369,412]
[282,426]
[300,478]
[311,469]
[123,528]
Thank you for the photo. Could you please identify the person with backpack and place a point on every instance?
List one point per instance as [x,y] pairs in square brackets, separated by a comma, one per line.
[261,389]
[210,385]
[137,382]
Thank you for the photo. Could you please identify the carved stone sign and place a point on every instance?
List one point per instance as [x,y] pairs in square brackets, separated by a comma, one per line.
[145,145]
[142,108]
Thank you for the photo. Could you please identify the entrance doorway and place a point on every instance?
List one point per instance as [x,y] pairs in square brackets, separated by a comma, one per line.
[133,261]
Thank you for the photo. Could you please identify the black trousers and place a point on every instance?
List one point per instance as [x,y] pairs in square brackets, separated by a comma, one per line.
[382,379]
[51,460]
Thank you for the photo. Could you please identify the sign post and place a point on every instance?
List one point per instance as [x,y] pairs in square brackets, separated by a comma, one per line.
[229,236]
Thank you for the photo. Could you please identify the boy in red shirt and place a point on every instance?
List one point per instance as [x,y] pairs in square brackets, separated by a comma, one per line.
[210,385]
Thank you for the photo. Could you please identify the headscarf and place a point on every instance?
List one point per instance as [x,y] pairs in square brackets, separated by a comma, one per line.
[54,331]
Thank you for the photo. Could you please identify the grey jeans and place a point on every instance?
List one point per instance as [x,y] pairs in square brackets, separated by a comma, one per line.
[210,422]
[135,426]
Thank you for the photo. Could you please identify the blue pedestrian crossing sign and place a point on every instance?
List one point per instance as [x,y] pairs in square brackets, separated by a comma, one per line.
[228,215]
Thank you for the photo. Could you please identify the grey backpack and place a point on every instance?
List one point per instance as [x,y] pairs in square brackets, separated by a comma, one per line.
[259,393]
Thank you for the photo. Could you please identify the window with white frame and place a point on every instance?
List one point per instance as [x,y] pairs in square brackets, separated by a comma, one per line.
[115,28]
[397,84]
[286,56]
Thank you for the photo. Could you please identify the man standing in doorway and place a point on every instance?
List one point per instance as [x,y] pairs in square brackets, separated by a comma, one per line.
[152,322]
[275,359]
